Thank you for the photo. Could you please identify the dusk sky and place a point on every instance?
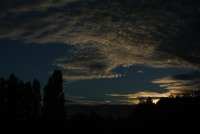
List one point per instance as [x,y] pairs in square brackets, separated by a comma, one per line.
[109,51]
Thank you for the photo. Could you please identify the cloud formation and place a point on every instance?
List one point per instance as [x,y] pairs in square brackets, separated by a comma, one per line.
[19,6]
[107,34]
[134,98]
[174,85]
[180,83]
[144,94]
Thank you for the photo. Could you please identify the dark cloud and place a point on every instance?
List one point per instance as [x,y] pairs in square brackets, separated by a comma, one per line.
[156,33]
[192,76]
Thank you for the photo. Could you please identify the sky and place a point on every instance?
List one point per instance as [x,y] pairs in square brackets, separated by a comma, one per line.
[109,51]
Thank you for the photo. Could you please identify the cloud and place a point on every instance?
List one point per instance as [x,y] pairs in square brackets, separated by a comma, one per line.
[173,84]
[18,6]
[140,71]
[77,100]
[108,34]
[180,83]
[144,94]
[134,98]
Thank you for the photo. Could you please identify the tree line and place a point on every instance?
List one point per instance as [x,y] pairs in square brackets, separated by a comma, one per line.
[23,101]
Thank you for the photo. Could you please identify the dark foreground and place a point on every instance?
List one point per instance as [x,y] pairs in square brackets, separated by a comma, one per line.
[22,107]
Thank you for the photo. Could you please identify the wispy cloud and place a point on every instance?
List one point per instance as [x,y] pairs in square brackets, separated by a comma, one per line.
[77,100]
[144,94]
[140,71]
[108,34]
[180,83]
[173,84]
[134,98]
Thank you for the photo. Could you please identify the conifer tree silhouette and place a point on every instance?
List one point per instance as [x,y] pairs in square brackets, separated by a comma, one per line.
[53,99]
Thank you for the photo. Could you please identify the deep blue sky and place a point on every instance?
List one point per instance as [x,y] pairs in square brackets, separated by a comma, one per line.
[29,61]
[110,51]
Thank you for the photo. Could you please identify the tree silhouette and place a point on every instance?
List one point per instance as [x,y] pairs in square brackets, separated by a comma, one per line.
[144,111]
[2,98]
[19,101]
[26,110]
[149,101]
[22,101]
[12,109]
[36,102]
[53,99]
